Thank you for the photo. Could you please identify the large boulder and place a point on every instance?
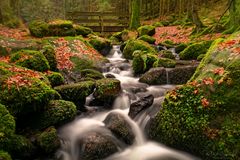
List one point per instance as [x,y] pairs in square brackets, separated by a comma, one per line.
[24,91]
[100,44]
[55,78]
[154,76]
[96,146]
[107,90]
[77,92]
[61,28]
[133,45]
[49,52]
[202,117]
[38,28]
[120,127]
[81,30]
[148,39]
[140,105]
[146,30]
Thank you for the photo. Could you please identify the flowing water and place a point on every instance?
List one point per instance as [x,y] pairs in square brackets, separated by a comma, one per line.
[132,90]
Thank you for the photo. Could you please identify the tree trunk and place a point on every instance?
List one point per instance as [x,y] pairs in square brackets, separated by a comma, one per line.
[135,14]
[234,14]
[193,15]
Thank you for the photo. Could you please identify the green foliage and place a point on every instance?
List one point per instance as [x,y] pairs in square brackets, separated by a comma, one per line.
[90,73]
[107,88]
[146,30]
[194,50]
[49,53]
[133,45]
[158,24]
[81,30]
[57,112]
[7,123]
[165,62]
[55,78]
[148,39]
[27,92]
[143,61]
[34,60]
[4,155]
[200,57]
[77,92]
[166,54]
[48,140]
[38,28]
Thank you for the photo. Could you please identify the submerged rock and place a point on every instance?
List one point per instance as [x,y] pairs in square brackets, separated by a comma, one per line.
[120,127]
[96,146]
[140,105]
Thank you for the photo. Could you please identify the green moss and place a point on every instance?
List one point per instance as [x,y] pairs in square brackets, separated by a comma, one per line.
[84,31]
[49,52]
[158,24]
[4,155]
[148,39]
[99,43]
[180,47]
[90,73]
[133,45]
[7,123]
[143,61]
[167,43]
[200,57]
[27,92]
[135,14]
[107,88]
[34,60]
[77,92]
[38,29]
[48,140]
[146,30]
[61,28]
[57,112]
[55,78]
[165,62]
[166,54]
[194,50]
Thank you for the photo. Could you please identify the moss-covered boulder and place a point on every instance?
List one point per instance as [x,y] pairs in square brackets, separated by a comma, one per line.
[143,61]
[148,39]
[4,155]
[166,54]
[48,140]
[194,50]
[165,62]
[61,28]
[180,47]
[146,30]
[91,73]
[55,78]
[202,117]
[167,43]
[49,52]
[34,60]
[24,90]
[100,44]
[38,28]
[107,90]
[57,112]
[77,92]
[133,45]
[128,35]
[81,30]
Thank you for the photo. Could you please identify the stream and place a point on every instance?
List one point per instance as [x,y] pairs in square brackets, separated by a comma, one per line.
[132,91]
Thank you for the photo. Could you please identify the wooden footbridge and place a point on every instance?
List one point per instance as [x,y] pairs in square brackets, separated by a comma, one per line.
[107,15]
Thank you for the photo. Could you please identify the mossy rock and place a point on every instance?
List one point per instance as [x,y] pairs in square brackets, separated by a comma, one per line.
[34,60]
[194,50]
[202,117]
[81,30]
[180,47]
[158,24]
[117,36]
[56,113]
[77,92]
[100,44]
[133,45]
[24,91]
[38,28]
[107,88]
[61,28]
[4,155]
[48,140]
[18,146]
[146,30]
[166,54]
[200,57]
[55,78]
[148,39]
[143,61]
[7,123]
[167,43]
[128,35]
[49,52]
[165,62]
[90,73]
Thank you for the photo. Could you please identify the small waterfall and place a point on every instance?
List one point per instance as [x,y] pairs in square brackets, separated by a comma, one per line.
[132,90]
[167,76]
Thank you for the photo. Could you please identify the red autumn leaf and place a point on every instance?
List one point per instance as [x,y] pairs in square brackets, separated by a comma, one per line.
[219,71]
[196,91]
[208,81]
[205,102]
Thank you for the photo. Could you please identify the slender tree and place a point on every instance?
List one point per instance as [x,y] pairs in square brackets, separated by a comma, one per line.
[135,14]
[234,21]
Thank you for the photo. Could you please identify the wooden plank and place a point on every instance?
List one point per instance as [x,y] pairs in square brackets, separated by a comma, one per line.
[97,14]
[80,20]
[108,28]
